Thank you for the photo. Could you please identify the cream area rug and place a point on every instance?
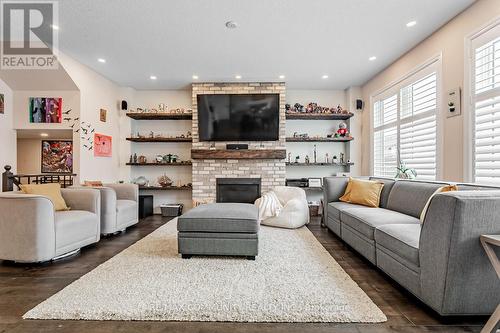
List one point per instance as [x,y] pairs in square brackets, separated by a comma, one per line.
[293,279]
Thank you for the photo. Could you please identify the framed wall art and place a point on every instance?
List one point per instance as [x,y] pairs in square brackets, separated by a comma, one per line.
[45,109]
[102,145]
[57,156]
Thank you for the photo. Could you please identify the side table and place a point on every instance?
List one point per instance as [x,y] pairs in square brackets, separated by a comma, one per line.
[489,242]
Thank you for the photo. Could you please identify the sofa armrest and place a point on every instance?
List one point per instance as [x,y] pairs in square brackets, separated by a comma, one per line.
[27,229]
[456,276]
[125,191]
[87,199]
[333,189]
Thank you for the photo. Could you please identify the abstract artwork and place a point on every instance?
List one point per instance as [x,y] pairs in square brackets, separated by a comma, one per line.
[57,156]
[2,103]
[45,109]
[102,145]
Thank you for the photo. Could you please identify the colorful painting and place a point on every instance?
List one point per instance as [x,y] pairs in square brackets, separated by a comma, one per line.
[102,115]
[102,145]
[2,103]
[45,109]
[57,156]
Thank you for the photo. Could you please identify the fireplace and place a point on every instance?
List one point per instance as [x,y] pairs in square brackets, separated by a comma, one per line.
[243,190]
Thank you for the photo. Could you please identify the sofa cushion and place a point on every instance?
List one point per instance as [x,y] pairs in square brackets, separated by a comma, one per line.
[126,210]
[365,220]
[74,226]
[384,196]
[221,217]
[409,197]
[334,208]
[402,239]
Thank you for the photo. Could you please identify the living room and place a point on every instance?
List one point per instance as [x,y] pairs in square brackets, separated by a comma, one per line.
[240,166]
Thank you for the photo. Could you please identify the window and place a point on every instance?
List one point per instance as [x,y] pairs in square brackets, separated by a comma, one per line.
[404,126]
[485,101]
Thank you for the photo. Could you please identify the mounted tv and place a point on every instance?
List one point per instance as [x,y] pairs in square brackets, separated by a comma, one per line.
[238,117]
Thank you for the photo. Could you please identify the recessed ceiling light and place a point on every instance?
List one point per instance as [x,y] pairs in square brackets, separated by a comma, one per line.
[372,58]
[411,24]
[152,77]
[231,25]
[324,77]
[282,77]
[55,27]
[44,135]
[237,77]
[102,60]
[195,77]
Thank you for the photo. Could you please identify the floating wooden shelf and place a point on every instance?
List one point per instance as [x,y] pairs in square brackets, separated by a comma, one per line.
[318,116]
[292,139]
[161,164]
[319,164]
[209,154]
[159,116]
[168,188]
[160,139]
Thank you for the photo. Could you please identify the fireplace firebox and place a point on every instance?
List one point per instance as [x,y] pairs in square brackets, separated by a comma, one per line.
[242,190]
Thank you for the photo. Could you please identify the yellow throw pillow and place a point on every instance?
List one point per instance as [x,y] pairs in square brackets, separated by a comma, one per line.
[347,194]
[447,188]
[363,192]
[52,191]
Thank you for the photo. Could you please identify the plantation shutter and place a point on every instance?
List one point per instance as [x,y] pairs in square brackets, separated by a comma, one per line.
[486,112]
[405,126]
[418,127]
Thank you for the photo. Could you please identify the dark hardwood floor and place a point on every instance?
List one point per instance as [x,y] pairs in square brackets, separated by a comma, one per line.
[22,287]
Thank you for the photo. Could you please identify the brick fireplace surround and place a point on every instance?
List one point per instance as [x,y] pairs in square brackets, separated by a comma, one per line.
[206,171]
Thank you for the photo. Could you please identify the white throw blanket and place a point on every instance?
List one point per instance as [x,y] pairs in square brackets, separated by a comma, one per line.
[269,205]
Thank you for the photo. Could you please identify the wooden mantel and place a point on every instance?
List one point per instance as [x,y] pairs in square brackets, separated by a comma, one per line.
[211,154]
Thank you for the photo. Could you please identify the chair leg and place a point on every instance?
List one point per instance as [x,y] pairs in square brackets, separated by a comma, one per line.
[186,256]
[250,257]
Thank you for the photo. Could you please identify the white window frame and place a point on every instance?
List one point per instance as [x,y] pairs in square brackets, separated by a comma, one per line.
[434,64]
[481,34]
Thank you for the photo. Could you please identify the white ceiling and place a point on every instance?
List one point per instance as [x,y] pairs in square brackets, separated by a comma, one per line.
[301,39]
[50,134]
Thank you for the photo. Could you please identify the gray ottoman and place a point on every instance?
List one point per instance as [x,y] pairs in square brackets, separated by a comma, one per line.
[219,229]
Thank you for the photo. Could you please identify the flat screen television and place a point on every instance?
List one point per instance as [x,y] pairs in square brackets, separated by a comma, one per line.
[238,117]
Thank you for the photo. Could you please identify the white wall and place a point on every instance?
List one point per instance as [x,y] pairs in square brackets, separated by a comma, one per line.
[7,133]
[97,92]
[449,41]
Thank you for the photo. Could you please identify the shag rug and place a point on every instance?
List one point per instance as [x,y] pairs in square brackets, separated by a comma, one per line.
[293,279]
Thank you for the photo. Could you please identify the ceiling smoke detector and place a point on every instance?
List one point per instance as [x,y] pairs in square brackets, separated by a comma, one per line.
[231,25]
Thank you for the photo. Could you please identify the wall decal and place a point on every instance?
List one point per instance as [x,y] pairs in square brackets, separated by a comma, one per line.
[45,109]
[2,103]
[102,145]
[102,115]
[57,156]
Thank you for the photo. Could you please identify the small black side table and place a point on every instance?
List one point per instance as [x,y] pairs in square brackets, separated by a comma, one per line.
[145,206]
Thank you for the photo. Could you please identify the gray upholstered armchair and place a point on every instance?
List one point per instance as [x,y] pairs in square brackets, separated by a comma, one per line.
[31,231]
[119,207]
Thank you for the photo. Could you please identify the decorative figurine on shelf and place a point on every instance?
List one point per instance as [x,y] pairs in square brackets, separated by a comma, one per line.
[342,131]
[174,158]
[289,158]
[167,158]
[297,158]
[288,107]
[335,159]
[135,157]
[298,107]
[164,181]
[327,159]
[131,159]
[307,159]
[159,159]
[349,162]
[315,160]
[142,159]
[141,181]
[342,158]
[189,134]
[151,134]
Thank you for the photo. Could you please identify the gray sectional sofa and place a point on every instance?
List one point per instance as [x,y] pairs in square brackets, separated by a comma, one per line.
[440,261]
